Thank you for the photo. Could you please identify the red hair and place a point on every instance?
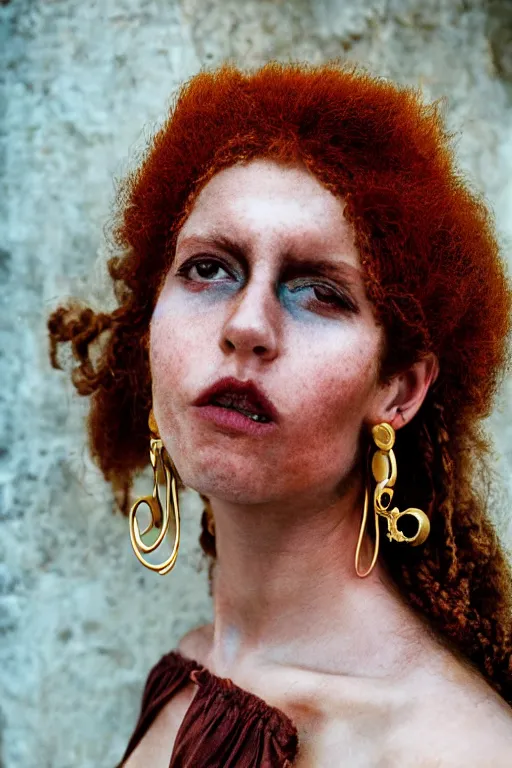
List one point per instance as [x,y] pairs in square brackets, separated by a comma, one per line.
[432,270]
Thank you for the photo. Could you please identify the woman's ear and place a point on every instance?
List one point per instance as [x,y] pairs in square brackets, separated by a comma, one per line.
[400,399]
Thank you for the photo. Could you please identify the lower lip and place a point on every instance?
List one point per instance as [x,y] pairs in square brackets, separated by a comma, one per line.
[234,421]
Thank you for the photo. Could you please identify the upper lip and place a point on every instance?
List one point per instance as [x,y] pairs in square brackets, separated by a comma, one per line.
[249,388]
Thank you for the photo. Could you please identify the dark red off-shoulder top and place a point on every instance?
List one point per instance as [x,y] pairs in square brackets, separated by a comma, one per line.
[224,727]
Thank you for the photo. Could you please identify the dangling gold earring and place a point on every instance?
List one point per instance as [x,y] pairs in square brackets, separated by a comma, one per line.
[159,518]
[384,473]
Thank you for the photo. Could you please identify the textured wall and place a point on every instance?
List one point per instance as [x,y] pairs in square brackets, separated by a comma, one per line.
[81,621]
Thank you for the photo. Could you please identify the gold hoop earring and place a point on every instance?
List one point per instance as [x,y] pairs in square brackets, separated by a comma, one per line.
[159,517]
[384,473]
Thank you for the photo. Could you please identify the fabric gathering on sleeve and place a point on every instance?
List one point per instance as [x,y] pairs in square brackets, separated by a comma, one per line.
[225,725]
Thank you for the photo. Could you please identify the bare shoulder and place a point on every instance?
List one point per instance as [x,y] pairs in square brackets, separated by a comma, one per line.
[442,715]
[484,715]
[460,719]
[196,643]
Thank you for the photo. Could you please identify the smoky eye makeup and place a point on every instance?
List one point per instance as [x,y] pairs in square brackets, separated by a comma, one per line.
[324,292]
[325,275]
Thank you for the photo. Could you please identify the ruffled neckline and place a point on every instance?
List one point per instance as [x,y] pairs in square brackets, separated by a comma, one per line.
[210,685]
[225,726]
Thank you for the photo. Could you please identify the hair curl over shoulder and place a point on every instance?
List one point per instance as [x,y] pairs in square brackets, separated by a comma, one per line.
[432,270]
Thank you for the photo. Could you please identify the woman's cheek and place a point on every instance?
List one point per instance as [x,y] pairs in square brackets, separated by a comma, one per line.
[164,359]
[155,349]
[351,388]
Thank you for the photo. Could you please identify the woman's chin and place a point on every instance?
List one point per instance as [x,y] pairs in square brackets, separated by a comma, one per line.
[233,488]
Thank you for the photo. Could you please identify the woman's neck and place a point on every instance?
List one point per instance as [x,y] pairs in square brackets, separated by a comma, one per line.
[286,592]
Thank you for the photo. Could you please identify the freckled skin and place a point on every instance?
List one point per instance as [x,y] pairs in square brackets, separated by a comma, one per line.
[286,504]
[317,364]
[352,665]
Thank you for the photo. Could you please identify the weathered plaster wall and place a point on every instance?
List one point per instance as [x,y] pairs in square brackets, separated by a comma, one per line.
[81,621]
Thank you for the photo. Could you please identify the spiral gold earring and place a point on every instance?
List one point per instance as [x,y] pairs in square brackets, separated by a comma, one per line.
[159,517]
[384,473]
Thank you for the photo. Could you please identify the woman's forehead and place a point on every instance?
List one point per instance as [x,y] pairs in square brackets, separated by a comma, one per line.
[263,203]
[268,179]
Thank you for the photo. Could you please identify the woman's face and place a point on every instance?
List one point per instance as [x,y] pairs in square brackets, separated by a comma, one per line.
[240,300]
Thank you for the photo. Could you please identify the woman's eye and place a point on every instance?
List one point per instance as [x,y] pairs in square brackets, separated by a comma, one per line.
[204,268]
[328,297]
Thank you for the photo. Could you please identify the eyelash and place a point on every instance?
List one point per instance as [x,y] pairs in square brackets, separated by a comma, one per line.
[338,300]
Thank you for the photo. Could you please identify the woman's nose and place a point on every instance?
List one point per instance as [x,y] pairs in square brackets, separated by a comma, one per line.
[252,323]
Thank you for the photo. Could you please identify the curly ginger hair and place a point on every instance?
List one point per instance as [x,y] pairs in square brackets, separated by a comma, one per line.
[432,270]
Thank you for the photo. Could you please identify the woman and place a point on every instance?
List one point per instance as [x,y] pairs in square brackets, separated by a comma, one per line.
[313,320]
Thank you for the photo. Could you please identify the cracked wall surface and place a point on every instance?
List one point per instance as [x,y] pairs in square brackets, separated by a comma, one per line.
[84,84]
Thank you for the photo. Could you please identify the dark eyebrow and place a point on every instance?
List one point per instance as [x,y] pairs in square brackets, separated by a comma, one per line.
[321,267]
[221,241]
